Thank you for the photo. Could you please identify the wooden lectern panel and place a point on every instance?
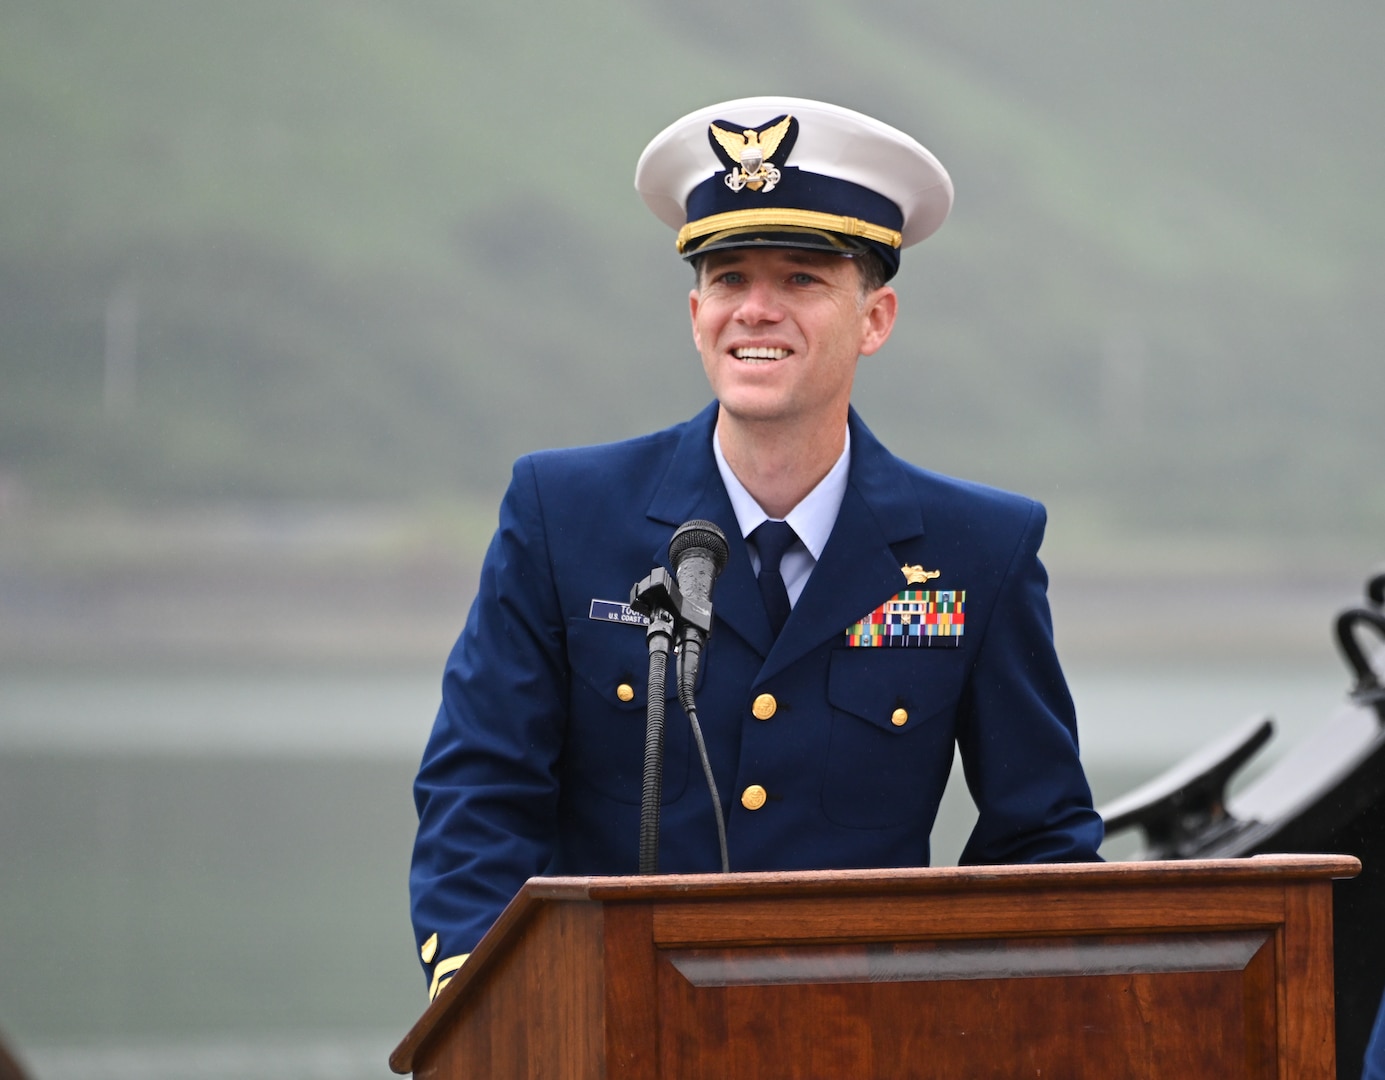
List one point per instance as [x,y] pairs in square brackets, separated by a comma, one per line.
[1198,1005]
[1144,971]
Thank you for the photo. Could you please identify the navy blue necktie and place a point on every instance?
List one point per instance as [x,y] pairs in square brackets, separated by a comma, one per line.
[772,539]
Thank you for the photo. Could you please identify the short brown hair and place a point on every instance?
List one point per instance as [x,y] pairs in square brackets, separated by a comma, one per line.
[873,272]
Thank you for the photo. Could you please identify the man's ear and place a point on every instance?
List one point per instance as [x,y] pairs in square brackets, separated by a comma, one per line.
[694,299]
[881,308]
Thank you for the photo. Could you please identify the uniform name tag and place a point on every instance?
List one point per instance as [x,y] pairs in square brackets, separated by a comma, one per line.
[914,618]
[615,611]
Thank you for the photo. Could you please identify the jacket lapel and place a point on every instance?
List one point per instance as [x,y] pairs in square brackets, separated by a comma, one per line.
[858,570]
[692,488]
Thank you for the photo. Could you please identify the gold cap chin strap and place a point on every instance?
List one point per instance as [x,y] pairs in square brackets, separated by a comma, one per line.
[738,220]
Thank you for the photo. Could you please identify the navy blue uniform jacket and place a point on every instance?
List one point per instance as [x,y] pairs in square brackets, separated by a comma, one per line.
[534,764]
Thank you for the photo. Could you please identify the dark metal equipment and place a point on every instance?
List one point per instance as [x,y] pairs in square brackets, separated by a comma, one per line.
[1324,796]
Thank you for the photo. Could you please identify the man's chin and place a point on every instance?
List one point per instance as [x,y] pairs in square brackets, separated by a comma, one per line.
[755,409]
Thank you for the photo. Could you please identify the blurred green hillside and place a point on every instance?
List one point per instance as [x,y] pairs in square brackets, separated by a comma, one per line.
[341,250]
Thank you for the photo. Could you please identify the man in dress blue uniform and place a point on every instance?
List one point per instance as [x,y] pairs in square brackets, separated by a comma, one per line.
[871,615]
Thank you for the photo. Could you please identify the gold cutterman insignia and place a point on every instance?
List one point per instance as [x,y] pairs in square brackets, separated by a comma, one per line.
[917,575]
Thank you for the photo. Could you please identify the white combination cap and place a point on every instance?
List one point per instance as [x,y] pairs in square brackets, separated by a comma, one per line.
[790,172]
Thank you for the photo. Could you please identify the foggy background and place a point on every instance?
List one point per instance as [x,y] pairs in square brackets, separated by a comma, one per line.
[285,288]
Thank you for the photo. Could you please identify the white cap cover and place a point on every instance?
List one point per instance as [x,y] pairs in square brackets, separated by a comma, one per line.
[785,170]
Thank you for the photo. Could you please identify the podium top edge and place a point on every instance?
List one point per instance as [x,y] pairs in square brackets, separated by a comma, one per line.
[1291,867]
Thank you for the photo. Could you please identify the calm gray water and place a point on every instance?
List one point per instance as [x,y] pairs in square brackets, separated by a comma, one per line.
[203,875]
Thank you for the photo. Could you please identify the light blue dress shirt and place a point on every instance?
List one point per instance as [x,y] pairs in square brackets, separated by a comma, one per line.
[812,519]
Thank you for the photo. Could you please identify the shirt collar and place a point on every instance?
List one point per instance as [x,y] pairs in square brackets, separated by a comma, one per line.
[812,519]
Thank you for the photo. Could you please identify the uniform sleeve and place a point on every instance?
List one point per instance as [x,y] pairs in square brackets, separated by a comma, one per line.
[1018,730]
[487,788]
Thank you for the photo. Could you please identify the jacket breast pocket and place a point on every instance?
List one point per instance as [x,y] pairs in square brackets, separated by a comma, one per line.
[607,695]
[891,743]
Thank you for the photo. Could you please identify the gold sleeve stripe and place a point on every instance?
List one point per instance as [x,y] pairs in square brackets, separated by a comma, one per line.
[442,972]
[769,217]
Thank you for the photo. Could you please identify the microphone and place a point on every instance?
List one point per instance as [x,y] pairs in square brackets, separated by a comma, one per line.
[683,607]
[698,553]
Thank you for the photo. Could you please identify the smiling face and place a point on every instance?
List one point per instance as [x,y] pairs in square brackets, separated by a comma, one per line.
[780,331]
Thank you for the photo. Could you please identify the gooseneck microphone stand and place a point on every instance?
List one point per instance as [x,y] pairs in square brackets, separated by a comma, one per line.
[657,598]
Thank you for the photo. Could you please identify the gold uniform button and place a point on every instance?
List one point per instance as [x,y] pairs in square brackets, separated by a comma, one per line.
[763,707]
[429,950]
[753,797]
[899,718]
[625,692]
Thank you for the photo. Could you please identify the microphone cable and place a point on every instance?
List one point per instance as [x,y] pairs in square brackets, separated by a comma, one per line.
[685,698]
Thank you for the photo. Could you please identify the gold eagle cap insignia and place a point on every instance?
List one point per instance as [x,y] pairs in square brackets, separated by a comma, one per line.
[917,575]
[753,151]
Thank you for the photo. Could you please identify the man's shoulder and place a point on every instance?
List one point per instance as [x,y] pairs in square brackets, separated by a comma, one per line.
[939,497]
[626,468]
[940,489]
[582,459]
[885,474]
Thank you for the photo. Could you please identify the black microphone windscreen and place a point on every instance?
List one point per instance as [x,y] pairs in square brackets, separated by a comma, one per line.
[699,534]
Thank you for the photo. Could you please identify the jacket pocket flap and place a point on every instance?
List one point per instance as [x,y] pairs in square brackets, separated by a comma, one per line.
[894,689]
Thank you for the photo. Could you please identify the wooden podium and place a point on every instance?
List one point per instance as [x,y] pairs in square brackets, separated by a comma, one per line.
[1128,970]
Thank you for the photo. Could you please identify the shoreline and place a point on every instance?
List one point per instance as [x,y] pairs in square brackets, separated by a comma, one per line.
[388,586]
[392,616]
